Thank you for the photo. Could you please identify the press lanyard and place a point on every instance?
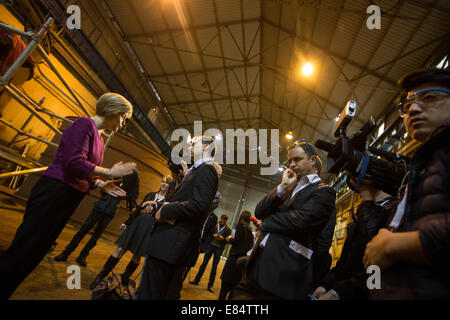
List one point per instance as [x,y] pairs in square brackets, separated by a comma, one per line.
[399,213]
[219,230]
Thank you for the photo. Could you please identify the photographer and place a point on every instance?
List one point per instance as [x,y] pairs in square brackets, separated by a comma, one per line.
[347,280]
[413,248]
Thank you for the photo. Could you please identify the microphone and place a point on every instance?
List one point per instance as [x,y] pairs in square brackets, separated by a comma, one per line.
[254,220]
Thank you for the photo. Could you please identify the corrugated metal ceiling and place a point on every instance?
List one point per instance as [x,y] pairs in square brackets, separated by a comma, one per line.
[234,63]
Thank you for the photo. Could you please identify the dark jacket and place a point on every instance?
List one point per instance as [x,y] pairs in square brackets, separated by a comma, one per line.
[321,256]
[189,204]
[348,277]
[427,211]
[225,232]
[283,271]
[240,245]
[208,231]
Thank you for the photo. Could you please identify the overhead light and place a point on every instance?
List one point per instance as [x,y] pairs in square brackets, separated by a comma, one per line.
[307,69]
[280,169]
[289,135]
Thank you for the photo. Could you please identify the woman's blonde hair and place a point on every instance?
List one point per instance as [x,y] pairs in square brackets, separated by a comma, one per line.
[111,104]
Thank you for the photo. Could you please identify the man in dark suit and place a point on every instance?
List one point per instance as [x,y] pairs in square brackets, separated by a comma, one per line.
[293,215]
[221,236]
[208,229]
[176,238]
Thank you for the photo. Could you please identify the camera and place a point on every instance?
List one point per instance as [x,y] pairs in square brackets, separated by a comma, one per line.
[382,170]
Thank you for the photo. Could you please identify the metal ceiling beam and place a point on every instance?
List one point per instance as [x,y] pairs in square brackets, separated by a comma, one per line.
[190,28]
[292,114]
[246,62]
[199,71]
[390,23]
[340,68]
[221,121]
[223,98]
[446,37]
[333,53]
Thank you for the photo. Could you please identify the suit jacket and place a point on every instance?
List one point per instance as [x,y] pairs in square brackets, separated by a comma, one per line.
[283,271]
[210,229]
[224,233]
[189,205]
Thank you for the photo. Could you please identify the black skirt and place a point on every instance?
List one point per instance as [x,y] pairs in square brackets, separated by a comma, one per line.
[136,236]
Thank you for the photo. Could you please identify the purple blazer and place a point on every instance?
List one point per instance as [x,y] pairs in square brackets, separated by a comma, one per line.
[80,150]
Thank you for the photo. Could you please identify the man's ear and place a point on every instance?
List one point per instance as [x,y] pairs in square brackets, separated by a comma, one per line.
[313,160]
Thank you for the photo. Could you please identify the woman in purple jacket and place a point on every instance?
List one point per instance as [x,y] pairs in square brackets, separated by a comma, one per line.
[61,188]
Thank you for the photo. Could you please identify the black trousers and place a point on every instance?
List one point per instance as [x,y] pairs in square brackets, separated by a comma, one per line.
[50,206]
[157,279]
[99,217]
[211,250]
[225,289]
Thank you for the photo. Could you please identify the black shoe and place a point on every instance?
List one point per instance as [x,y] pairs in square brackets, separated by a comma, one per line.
[81,261]
[194,283]
[210,289]
[107,268]
[61,257]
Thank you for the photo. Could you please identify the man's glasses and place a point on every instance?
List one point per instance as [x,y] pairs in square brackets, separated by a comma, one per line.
[424,99]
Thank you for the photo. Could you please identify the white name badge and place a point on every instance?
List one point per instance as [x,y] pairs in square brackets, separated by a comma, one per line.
[298,248]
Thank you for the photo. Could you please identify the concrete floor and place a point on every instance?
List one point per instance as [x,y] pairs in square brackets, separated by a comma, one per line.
[48,280]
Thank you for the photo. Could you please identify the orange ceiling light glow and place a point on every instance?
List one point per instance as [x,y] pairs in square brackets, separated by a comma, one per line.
[307,69]
[289,135]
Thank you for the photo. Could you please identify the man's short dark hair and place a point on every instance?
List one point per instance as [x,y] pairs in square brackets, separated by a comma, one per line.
[224,217]
[309,150]
[417,78]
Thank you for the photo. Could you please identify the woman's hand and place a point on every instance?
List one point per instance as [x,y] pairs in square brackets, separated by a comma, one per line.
[122,227]
[121,169]
[148,203]
[148,206]
[110,187]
